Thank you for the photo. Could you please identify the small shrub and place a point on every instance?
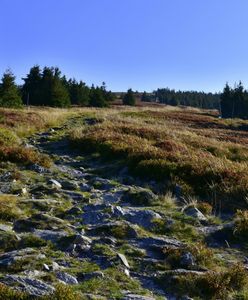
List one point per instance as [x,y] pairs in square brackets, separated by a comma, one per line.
[31,241]
[8,208]
[63,292]
[241,224]
[205,208]
[213,285]
[7,293]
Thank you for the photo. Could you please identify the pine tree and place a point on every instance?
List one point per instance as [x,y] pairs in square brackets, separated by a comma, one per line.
[227,102]
[9,94]
[145,97]
[59,94]
[97,98]
[129,98]
[32,89]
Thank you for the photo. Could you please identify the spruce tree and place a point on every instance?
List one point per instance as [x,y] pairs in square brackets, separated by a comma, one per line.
[32,89]
[9,94]
[129,98]
[97,98]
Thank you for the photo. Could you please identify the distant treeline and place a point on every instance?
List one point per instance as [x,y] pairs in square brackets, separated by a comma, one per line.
[48,87]
[188,98]
[234,102]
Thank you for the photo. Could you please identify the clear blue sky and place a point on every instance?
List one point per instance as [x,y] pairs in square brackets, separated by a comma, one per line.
[143,44]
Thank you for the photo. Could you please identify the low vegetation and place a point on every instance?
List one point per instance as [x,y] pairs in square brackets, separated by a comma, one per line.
[214,285]
[207,157]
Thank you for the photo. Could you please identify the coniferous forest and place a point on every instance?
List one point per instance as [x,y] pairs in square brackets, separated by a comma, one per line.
[48,87]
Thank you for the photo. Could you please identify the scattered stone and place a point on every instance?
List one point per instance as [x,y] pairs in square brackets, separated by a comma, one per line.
[142,218]
[66,278]
[8,258]
[6,227]
[187,260]
[130,296]
[70,185]
[55,183]
[195,213]
[127,272]
[32,286]
[50,235]
[84,187]
[123,260]
[37,168]
[55,266]
[46,267]
[75,210]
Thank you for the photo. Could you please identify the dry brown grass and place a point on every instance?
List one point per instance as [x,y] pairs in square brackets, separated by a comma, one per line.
[190,147]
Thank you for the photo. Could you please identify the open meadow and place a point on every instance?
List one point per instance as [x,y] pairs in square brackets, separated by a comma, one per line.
[123,202]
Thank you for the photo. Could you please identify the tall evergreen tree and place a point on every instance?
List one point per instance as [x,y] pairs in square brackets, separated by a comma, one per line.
[79,92]
[97,98]
[32,89]
[129,98]
[9,94]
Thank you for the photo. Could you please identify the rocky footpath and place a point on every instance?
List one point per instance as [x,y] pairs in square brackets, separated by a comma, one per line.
[75,226]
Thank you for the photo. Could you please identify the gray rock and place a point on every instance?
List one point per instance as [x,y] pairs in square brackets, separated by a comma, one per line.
[187,260]
[195,213]
[37,168]
[142,218]
[66,278]
[50,235]
[84,187]
[70,185]
[55,266]
[8,258]
[46,267]
[123,260]
[112,197]
[55,183]
[136,297]
[75,210]
[117,211]
[95,217]
[32,286]
[6,227]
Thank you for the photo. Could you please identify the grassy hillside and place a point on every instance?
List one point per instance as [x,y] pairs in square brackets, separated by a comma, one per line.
[206,156]
[71,210]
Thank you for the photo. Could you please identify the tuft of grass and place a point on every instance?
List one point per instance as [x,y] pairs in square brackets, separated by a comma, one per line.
[241,224]
[63,292]
[9,210]
[213,285]
[7,293]
[112,285]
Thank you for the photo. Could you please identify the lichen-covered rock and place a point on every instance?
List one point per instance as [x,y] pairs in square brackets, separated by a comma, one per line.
[32,286]
[195,213]
[66,278]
